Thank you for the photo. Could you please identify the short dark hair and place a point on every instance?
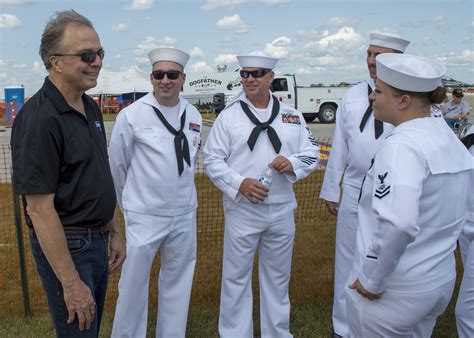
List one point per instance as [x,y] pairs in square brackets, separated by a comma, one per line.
[54,31]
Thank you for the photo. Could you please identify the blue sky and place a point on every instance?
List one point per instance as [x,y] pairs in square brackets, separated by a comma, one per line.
[319,41]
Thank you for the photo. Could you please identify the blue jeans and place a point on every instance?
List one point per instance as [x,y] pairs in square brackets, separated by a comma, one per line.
[451,122]
[90,256]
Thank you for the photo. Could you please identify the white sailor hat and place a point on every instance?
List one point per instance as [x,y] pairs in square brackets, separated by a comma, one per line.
[388,41]
[257,60]
[409,72]
[168,54]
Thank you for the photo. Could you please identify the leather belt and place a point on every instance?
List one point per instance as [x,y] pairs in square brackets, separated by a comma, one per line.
[75,230]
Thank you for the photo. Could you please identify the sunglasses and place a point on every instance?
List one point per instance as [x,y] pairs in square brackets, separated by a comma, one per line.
[170,74]
[87,56]
[255,73]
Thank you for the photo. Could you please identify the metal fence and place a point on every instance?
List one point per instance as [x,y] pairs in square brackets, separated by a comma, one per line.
[313,257]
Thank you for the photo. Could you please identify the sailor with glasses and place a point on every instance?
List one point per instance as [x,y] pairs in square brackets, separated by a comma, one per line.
[153,148]
[255,132]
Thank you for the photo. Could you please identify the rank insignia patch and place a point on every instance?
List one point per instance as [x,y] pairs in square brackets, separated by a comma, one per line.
[382,189]
[194,127]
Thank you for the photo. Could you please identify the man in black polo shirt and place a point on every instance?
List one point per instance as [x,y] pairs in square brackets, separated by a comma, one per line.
[60,166]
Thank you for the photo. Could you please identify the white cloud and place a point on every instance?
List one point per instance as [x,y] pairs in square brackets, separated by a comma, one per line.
[38,68]
[149,43]
[225,59]
[312,34]
[281,41]
[200,66]
[231,4]
[337,22]
[15,2]
[278,48]
[439,21]
[344,40]
[19,65]
[168,41]
[233,22]
[120,27]
[8,21]
[197,52]
[304,71]
[328,61]
[454,60]
[228,4]
[273,2]
[143,48]
[275,51]
[138,5]
[468,39]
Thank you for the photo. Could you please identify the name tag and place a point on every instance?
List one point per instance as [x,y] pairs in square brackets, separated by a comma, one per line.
[194,127]
[145,130]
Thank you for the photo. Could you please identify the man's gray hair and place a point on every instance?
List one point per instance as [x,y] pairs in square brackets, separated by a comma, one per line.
[54,32]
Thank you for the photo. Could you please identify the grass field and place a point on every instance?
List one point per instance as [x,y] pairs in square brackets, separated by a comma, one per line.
[310,289]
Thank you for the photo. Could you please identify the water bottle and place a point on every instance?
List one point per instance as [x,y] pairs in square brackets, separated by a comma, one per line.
[266,178]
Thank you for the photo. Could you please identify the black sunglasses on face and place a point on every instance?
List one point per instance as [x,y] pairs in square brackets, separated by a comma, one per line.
[255,73]
[87,55]
[170,74]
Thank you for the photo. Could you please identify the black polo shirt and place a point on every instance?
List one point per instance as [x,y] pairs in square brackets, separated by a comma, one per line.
[56,150]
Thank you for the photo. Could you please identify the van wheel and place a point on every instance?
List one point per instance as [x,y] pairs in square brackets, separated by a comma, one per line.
[327,113]
[309,117]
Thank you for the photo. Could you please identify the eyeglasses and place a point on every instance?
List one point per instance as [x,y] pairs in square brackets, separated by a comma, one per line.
[255,73]
[87,56]
[170,74]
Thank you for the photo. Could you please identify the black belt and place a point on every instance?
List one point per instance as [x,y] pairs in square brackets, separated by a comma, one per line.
[75,230]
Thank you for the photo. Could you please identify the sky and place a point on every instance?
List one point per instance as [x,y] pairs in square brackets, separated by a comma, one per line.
[318,41]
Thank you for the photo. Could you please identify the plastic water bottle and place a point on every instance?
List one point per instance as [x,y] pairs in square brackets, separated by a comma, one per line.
[266,178]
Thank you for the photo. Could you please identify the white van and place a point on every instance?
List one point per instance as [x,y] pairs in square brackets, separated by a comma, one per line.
[211,91]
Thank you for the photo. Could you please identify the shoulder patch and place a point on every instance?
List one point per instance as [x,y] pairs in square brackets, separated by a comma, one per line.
[382,189]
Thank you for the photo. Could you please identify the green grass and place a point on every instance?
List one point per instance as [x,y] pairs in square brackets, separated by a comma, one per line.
[310,320]
[310,287]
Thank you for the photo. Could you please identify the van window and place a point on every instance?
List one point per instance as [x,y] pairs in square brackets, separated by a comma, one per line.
[279,85]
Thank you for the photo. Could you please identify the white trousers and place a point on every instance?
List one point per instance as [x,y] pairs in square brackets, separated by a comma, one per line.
[271,229]
[396,314]
[346,233]
[465,302]
[175,237]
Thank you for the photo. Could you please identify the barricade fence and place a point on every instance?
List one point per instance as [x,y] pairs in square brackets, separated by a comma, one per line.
[313,254]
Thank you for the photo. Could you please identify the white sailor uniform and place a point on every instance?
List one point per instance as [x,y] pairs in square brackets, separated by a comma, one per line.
[350,156]
[159,206]
[407,231]
[465,301]
[268,226]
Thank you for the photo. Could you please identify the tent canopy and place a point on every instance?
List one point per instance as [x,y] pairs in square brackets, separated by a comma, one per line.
[117,83]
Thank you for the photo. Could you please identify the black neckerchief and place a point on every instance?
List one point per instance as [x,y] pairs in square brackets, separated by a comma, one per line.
[182,151]
[260,126]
